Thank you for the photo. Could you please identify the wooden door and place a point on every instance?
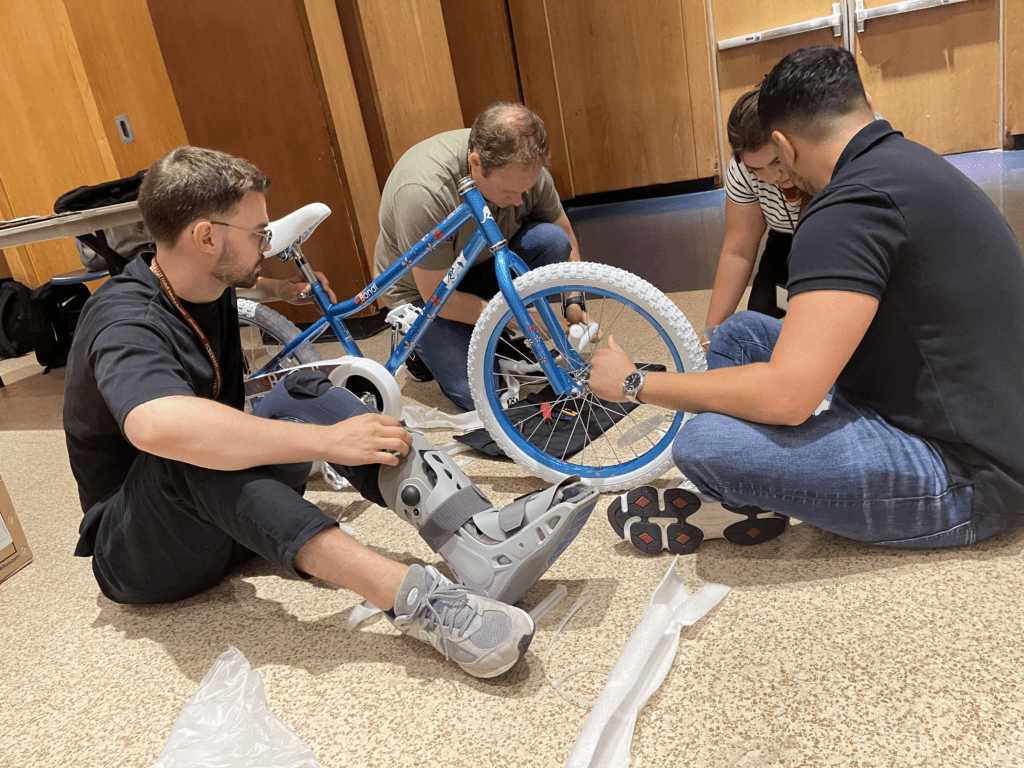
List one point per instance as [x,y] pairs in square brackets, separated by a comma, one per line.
[246,82]
[403,70]
[934,73]
[622,74]
[53,138]
[483,57]
[1013,69]
[743,65]
[73,67]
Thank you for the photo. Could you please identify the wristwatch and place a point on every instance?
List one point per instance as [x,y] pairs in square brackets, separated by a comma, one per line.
[632,385]
[579,301]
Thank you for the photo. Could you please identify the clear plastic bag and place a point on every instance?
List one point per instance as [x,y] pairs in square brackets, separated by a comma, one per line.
[226,724]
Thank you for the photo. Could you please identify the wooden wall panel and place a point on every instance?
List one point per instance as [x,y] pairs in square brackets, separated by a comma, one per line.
[1013,67]
[483,59]
[624,92]
[735,19]
[52,141]
[258,98]
[934,74]
[741,69]
[352,148]
[415,89]
[18,253]
[540,85]
[127,76]
[700,63]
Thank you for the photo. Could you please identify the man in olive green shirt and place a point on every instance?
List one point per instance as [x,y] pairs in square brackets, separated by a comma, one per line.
[506,152]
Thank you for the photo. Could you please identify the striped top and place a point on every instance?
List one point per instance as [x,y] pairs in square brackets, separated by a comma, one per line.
[744,188]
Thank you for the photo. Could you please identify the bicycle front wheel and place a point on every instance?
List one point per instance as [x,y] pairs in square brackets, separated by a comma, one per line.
[613,445]
[264,333]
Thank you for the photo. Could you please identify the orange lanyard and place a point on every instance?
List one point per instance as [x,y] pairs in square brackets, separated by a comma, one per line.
[166,285]
[803,198]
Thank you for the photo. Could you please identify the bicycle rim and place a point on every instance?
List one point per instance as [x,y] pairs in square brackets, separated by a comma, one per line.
[622,445]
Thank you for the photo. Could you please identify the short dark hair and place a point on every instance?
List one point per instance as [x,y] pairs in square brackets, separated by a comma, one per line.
[506,133]
[808,88]
[744,126]
[190,183]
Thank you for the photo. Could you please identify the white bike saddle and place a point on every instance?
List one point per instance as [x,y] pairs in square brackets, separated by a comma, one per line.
[295,227]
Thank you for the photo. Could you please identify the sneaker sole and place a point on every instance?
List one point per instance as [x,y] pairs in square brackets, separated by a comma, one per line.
[676,520]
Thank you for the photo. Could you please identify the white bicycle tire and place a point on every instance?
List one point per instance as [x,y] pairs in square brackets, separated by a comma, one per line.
[674,329]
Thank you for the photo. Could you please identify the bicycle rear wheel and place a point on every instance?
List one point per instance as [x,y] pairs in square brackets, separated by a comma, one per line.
[264,333]
[634,449]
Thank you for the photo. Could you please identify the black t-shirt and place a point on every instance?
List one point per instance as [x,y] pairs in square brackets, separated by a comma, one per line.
[944,356]
[132,345]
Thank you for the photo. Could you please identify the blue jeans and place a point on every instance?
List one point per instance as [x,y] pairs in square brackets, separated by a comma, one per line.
[444,348]
[845,470]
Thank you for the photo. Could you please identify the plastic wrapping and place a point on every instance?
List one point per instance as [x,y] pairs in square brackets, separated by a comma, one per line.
[644,663]
[419,417]
[226,724]
[544,607]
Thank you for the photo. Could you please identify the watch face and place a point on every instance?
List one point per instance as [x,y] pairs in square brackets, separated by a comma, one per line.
[633,381]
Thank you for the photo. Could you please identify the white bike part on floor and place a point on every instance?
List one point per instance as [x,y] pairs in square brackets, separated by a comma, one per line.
[363,374]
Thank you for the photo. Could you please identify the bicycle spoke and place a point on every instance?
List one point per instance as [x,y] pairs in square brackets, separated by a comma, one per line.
[611,445]
[626,437]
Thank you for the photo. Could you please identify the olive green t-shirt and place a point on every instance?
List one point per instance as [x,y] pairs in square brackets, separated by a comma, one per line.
[422,190]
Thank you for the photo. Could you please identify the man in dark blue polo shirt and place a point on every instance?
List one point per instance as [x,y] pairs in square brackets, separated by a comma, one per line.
[906,304]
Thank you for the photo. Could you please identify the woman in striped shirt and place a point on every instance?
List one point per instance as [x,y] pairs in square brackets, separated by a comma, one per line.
[759,196]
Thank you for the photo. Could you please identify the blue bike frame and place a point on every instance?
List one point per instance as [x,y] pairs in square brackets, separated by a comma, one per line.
[487,233]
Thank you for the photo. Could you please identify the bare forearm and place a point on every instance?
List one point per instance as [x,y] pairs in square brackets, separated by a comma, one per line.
[265,290]
[821,333]
[212,435]
[752,392]
[730,281]
[564,223]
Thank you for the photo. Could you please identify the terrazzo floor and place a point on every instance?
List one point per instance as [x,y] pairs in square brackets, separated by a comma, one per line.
[825,653]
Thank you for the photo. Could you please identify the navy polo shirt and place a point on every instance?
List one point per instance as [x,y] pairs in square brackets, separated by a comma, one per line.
[944,356]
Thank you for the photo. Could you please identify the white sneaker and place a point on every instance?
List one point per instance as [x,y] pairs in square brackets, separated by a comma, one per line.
[483,636]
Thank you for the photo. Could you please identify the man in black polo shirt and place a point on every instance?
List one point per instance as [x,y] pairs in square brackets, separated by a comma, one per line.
[906,306]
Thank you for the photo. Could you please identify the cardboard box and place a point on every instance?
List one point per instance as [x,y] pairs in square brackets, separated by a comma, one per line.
[14,551]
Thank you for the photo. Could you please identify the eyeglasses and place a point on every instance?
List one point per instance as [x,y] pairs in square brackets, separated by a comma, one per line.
[262,233]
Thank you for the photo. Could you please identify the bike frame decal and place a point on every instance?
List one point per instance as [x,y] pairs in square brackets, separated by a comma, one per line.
[436,301]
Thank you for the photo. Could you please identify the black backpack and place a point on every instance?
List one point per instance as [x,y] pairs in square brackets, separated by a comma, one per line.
[56,309]
[113,247]
[16,319]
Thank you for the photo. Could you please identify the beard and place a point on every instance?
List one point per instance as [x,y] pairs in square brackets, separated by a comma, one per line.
[803,184]
[230,271]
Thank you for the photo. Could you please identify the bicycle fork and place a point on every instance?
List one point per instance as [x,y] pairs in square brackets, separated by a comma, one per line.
[506,261]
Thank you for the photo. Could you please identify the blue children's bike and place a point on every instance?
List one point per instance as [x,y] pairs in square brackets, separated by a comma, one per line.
[528,371]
